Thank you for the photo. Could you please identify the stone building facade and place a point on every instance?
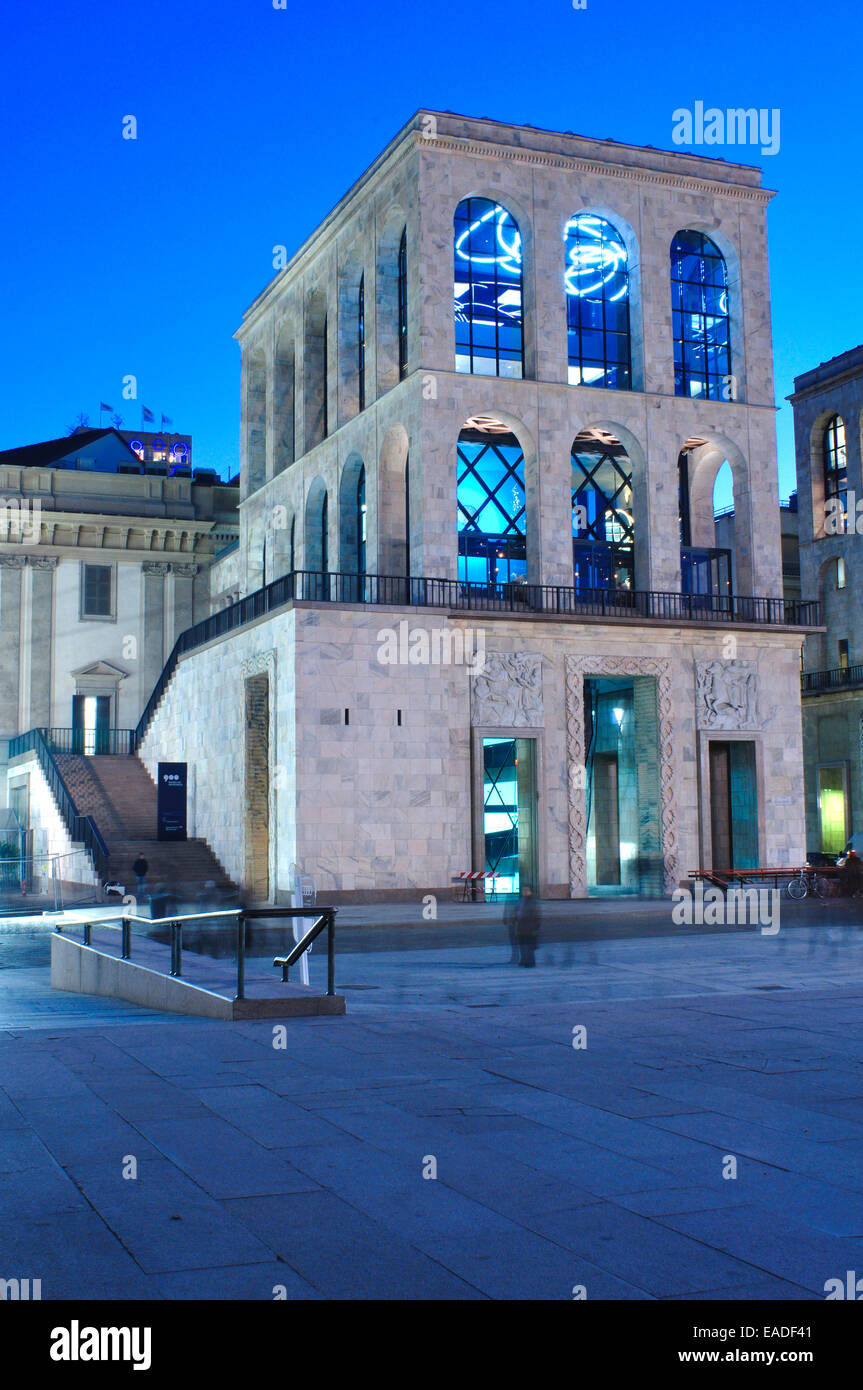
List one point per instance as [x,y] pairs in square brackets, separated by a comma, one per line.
[828,427]
[484,407]
[103,562]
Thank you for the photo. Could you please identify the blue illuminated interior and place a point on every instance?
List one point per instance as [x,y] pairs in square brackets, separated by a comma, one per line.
[491,509]
[700,319]
[487,290]
[596,281]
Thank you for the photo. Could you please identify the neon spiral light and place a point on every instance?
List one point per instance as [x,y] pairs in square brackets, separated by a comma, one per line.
[593,264]
[508,257]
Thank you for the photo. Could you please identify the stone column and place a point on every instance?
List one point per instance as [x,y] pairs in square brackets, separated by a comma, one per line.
[152,653]
[11,568]
[183,607]
[41,639]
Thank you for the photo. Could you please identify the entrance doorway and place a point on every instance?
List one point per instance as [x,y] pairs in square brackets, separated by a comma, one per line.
[624,836]
[91,724]
[733,805]
[257,788]
[509,812]
[832,807]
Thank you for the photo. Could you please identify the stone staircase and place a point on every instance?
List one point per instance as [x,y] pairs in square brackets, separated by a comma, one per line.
[120,795]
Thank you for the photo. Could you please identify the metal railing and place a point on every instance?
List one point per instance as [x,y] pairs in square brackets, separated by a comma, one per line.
[90,741]
[838,678]
[82,829]
[325,920]
[453,594]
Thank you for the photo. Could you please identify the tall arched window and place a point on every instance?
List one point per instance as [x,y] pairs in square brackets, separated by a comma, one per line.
[596,280]
[488,290]
[403,305]
[491,504]
[361,343]
[603,530]
[700,318]
[835,476]
[361,521]
[316,557]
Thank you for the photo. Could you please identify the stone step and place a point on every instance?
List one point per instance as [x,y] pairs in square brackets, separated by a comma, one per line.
[120,795]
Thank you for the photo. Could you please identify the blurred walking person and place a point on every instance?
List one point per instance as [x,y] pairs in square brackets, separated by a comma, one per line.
[527,926]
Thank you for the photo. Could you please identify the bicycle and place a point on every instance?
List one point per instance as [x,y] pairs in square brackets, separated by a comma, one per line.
[807,880]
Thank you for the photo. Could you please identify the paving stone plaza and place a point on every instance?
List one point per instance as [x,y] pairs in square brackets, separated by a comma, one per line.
[297,1171]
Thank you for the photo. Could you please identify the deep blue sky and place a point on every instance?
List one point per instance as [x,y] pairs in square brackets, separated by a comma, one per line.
[140,256]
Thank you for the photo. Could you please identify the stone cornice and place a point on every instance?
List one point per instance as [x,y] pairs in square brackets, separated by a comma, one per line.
[577,164]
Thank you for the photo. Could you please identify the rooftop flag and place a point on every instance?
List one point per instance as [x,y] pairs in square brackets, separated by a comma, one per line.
[147,416]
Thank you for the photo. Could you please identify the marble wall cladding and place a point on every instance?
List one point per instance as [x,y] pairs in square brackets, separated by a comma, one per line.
[51,837]
[371,780]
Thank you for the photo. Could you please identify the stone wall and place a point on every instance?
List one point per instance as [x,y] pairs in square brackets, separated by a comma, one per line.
[386,800]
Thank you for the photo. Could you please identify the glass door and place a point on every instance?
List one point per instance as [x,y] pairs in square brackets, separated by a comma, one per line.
[509,812]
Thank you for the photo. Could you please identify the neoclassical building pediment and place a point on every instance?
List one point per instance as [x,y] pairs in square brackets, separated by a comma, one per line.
[100,670]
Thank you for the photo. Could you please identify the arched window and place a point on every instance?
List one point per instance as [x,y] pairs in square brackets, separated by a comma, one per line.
[313,376]
[596,280]
[403,305]
[256,417]
[361,521]
[491,504]
[603,530]
[361,343]
[488,290]
[700,319]
[316,559]
[835,476]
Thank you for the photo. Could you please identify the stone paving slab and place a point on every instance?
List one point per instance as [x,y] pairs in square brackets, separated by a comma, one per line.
[302,1166]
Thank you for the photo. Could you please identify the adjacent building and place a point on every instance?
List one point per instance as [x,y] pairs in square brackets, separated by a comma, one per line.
[828,417]
[104,559]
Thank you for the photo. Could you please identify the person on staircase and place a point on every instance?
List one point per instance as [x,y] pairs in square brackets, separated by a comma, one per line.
[139,868]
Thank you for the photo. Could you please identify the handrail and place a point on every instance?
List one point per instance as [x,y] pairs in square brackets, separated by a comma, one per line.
[326,919]
[831,679]
[418,592]
[82,829]
[97,741]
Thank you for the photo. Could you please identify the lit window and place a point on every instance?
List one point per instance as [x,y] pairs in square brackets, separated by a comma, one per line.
[603,529]
[836,474]
[403,305]
[840,573]
[361,342]
[596,280]
[487,290]
[491,507]
[700,319]
[361,522]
